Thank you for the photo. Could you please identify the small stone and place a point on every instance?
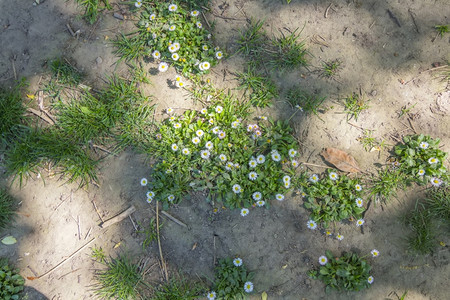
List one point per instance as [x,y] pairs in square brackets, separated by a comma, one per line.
[373,93]
[99,60]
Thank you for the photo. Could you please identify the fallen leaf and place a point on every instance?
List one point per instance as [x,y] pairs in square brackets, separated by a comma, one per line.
[30,96]
[193,247]
[9,240]
[284,267]
[117,245]
[340,160]
[264,296]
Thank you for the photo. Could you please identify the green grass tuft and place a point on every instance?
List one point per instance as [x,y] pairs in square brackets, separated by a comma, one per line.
[422,239]
[303,100]
[65,73]
[288,52]
[179,287]
[331,68]
[262,89]
[92,8]
[438,203]
[354,105]
[7,209]
[11,115]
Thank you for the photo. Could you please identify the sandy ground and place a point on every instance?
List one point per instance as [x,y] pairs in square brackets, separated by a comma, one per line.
[384,61]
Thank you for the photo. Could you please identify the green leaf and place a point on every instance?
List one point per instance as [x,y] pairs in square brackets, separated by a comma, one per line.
[342,272]
[9,240]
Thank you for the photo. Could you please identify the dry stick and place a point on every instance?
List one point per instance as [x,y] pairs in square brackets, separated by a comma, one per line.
[414,19]
[96,209]
[412,125]
[118,217]
[326,11]
[174,219]
[14,68]
[61,263]
[79,228]
[132,222]
[359,127]
[163,263]
[40,115]
[314,165]
[72,33]
[206,20]
[87,234]
[68,273]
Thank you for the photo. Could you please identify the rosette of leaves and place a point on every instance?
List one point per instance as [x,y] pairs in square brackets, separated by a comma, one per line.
[414,155]
[332,200]
[155,33]
[348,272]
[11,283]
[230,279]
[177,172]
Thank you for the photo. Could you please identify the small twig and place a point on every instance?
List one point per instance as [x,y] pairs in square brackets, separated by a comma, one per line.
[87,234]
[174,219]
[72,33]
[79,228]
[414,20]
[132,222]
[412,125]
[163,263]
[41,115]
[118,217]
[326,10]
[206,20]
[214,244]
[226,18]
[68,273]
[96,209]
[14,67]
[394,18]
[314,165]
[61,263]
[359,127]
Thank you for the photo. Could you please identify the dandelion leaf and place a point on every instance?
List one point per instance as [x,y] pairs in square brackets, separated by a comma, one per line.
[340,160]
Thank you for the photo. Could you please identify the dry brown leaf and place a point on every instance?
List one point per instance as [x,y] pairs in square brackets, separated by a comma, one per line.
[340,160]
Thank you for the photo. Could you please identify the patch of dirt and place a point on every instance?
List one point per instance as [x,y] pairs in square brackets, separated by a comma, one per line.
[386,48]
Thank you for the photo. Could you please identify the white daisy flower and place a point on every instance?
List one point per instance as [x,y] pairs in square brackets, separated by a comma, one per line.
[423,145]
[199,133]
[435,181]
[176,45]
[252,163]
[194,13]
[205,154]
[179,84]
[219,109]
[292,152]
[199,25]
[358,187]
[168,171]
[163,66]
[209,145]
[186,151]
[360,222]
[333,176]
[138,3]
[359,202]
[260,159]
[203,111]
[249,127]
[175,56]
[340,237]
[328,233]
[375,252]
[211,121]
[219,54]
[221,134]
[172,118]
[235,124]
[256,196]
[158,136]
[171,198]
[237,188]
[156,54]
[149,200]
[286,178]
[172,27]
[174,147]
[370,279]
[323,260]
[205,47]
[248,287]
[276,156]
[172,48]
[433,160]
[237,262]
[173,7]
[177,125]
[144,181]
[195,140]
[150,194]
[244,212]
[223,157]
[211,295]
[169,110]
[311,224]
[294,163]
[252,175]
[215,130]
[152,17]
[279,197]
[154,35]
[314,178]
[421,172]
[260,203]
[205,65]
[229,166]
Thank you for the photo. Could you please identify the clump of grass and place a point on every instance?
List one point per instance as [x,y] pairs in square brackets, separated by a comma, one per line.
[354,105]
[129,48]
[385,185]
[330,68]
[422,239]
[120,280]
[303,100]
[369,142]
[7,209]
[251,41]
[65,73]
[11,115]
[150,233]
[98,254]
[38,147]
[288,52]
[438,203]
[179,287]
[441,29]
[262,89]
[92,8]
